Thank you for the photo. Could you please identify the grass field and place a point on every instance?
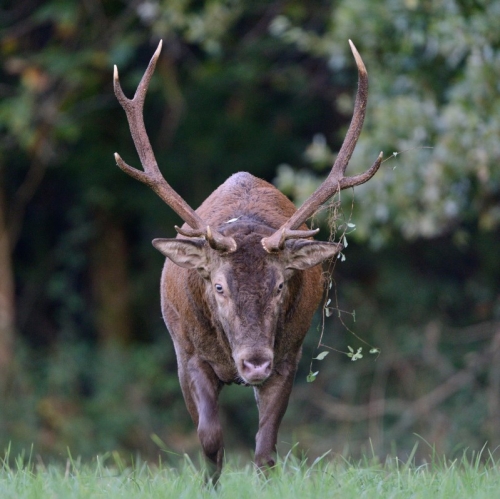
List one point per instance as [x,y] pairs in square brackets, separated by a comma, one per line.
[473,476]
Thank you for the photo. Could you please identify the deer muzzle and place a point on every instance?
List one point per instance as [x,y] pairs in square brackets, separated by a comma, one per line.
[254,366]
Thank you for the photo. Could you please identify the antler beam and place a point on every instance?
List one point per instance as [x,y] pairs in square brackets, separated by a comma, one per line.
[151,175]
[336,180]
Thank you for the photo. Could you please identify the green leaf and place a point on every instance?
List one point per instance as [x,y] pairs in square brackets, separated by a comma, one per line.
[311,376]
[321,356]
[358,355]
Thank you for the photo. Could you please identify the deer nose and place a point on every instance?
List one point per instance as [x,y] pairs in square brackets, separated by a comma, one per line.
[255,370]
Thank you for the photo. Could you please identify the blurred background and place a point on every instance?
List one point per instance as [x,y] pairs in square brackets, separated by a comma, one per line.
[268,87]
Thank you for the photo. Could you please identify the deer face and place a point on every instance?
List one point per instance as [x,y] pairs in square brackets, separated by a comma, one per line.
[248,291]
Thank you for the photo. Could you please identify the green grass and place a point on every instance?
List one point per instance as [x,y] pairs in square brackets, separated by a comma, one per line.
[473,477]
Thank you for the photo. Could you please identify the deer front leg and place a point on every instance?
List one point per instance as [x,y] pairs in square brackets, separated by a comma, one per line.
[272,401]
[201,388]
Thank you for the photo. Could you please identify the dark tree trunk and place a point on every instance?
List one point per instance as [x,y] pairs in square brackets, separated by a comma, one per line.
[7,297]
[110,282]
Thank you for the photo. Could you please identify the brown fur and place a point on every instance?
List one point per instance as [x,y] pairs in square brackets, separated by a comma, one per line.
[205,349]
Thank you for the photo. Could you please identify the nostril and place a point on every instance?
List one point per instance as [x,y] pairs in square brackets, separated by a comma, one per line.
[254,367]
[261,367]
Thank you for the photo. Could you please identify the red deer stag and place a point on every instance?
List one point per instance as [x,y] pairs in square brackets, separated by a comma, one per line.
[241,281]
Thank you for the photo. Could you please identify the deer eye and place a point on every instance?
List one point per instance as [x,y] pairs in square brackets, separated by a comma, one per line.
[280,287]
[219,288]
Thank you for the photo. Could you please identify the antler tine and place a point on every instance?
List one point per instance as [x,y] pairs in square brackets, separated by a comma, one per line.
[335,180]
[151,175]
[134,111]
[277,240]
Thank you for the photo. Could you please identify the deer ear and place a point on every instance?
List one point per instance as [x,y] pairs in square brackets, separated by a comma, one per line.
[187,253]
[301,254]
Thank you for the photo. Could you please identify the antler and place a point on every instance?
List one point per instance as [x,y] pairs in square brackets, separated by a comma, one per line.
[336,180]
[151,175]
